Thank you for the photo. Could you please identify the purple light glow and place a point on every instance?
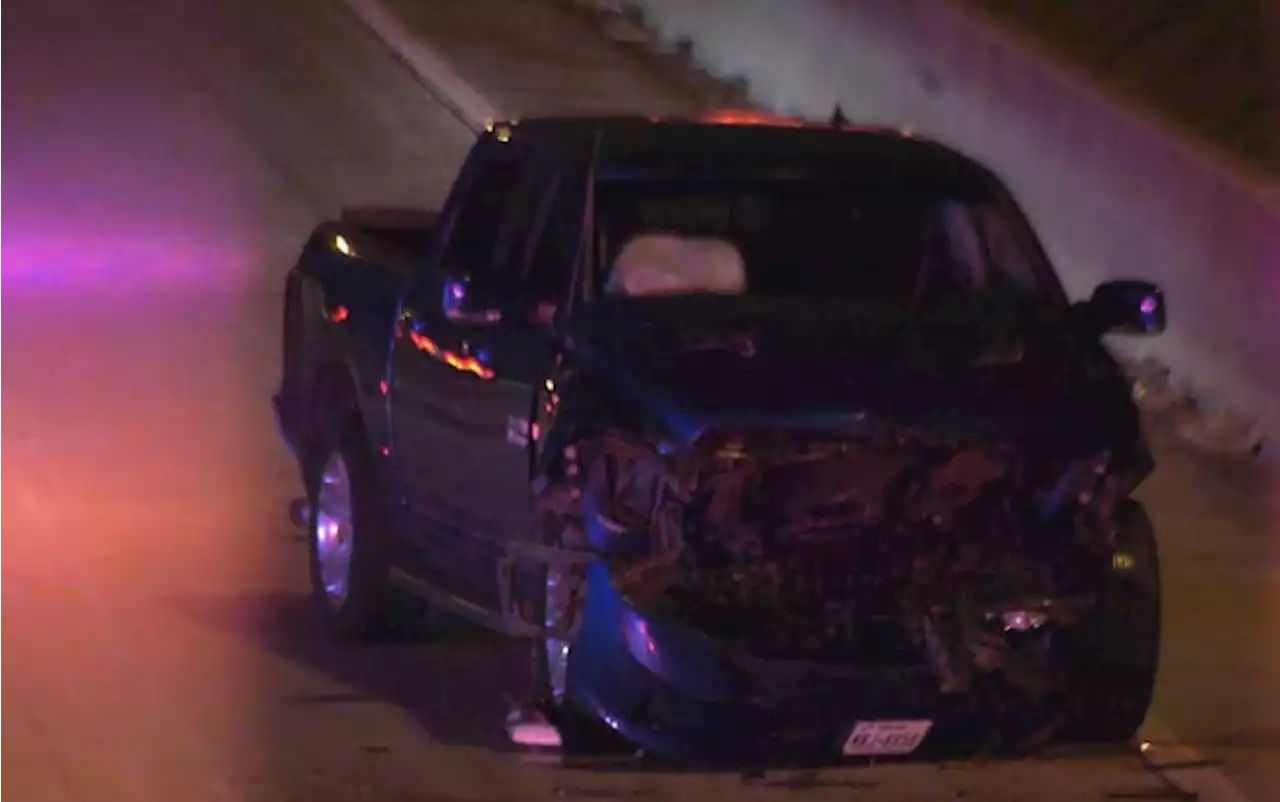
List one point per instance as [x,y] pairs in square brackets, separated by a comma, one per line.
[125,177]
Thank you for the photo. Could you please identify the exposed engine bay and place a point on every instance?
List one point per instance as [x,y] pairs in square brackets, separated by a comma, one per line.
[898,550]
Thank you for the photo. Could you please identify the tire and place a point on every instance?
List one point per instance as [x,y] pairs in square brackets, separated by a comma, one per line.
[1115,683]
[349,544]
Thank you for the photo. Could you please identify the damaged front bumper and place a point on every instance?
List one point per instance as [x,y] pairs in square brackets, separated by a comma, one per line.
[677,694]
[765,597]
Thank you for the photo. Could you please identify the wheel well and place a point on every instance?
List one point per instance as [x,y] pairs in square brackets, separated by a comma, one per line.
[332,404]
[292,336]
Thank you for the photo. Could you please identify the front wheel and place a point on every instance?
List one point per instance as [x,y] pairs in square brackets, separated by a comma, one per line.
[1116,675]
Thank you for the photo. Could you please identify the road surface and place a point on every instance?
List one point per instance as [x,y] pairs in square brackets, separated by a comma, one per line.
[165,161]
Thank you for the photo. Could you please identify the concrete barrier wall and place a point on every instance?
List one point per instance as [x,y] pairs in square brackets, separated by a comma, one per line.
[1111,195]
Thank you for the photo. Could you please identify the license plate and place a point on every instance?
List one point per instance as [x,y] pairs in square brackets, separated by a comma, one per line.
[886,737]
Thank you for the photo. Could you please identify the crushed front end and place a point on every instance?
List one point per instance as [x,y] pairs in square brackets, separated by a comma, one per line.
[766,590]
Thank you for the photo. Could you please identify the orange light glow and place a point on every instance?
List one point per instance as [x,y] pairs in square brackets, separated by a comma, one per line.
[466,364]
[750,117]
[424,343]
[339,314]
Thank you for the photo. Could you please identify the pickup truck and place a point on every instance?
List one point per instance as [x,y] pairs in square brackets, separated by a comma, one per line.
[775,439]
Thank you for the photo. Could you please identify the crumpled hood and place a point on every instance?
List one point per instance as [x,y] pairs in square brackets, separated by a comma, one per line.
[695,366]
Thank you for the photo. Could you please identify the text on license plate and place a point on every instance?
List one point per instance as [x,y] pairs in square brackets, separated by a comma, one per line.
[886,737]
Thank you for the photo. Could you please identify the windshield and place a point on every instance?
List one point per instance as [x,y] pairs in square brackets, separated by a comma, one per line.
[811,238]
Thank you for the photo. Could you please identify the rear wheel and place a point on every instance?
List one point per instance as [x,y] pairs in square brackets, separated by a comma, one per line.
[1115,681]
[349,538]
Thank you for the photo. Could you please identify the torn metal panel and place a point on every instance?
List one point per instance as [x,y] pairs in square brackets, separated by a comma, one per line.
[812,548]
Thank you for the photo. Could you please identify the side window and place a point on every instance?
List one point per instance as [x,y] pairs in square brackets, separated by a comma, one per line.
[555,248]
[523,217]
[473,241]
[965,256]
[1007,254]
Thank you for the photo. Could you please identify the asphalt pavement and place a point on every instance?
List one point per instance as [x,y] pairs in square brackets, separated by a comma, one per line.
[165,161]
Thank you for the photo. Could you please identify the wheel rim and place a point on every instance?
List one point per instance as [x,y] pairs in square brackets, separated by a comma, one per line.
[334,533]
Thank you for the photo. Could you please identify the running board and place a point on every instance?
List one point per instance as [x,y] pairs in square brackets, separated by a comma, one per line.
[443,599]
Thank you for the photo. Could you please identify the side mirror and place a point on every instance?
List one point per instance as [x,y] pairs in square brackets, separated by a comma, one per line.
[1126,307]
[462,303]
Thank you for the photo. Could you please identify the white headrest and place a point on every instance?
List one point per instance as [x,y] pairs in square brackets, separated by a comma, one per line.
[668,264]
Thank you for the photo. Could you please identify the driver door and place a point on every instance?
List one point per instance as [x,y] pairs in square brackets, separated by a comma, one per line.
[465,384]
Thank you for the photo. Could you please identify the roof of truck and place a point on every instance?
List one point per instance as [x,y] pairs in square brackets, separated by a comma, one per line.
[746,138]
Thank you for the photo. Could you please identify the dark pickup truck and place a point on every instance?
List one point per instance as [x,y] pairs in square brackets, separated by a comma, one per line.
[778,441]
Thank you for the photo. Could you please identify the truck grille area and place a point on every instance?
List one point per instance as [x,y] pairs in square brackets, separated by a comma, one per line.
[830,550]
